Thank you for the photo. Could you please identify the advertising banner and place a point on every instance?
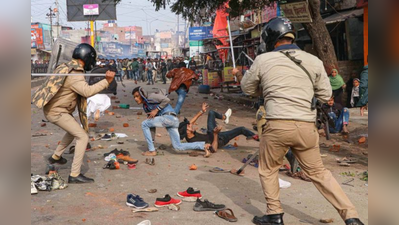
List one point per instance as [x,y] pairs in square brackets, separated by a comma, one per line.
[91,10]
[36,38]
[200,33]
[211,78]
[297,12]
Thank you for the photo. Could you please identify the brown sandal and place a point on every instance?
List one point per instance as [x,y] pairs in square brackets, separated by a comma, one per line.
[225,215]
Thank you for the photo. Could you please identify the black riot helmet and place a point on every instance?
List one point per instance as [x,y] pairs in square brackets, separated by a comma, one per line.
[275,29]
[87,54]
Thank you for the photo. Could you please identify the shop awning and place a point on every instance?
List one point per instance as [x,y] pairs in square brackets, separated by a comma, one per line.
[342,16]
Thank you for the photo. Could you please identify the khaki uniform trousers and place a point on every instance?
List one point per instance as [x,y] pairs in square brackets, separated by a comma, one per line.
[74,130]
[303,139]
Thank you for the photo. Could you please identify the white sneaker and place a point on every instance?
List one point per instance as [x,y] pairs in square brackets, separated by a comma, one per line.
[145,222]
[228,114]
[283,184]
[33,189]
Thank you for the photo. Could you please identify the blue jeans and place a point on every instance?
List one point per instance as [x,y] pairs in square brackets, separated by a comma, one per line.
[118,76]
[225,137]
[339,121]
[171,124]
[149,76]
[181,93]
[130,74]
[135,75]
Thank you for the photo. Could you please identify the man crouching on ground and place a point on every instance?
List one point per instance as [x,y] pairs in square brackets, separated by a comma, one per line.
[161,114]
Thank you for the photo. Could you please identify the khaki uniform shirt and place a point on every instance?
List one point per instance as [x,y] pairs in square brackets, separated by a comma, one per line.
[62,94]
[286,88]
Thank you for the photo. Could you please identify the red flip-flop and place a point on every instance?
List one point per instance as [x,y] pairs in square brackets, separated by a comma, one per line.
[131,166]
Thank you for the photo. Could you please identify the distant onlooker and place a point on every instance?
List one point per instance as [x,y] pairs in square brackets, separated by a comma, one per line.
[149,68]
[349,87]
[339,114]
[192,65]
[141,70]
[338,85]
[164,70]
[134,67]
[364,90]
[354,99]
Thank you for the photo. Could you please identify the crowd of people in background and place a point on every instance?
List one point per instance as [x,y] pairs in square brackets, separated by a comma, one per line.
[146,69]
[39,66]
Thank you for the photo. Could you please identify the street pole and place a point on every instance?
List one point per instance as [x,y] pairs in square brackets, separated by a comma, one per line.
[231,42]
[92,32]
[50,16]
[58,18]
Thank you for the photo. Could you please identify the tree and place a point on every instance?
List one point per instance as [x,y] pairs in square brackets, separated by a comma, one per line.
[317,30]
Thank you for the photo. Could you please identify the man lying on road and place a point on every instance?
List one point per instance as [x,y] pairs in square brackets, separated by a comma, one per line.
[213,135]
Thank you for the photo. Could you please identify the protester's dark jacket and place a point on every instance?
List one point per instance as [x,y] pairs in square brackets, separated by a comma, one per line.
[364,87]
[336,109]
[156,101]
[181,76]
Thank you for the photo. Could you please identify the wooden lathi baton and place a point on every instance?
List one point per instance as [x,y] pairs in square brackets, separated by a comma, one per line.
[70,74]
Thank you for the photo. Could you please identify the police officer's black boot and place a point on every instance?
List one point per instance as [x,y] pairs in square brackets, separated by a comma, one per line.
[276,219]
[353,221]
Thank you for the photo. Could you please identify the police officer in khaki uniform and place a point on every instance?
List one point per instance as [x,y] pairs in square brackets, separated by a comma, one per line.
[60,95]
[288,92]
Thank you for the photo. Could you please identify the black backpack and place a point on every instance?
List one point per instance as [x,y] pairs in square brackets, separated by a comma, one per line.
[112,88]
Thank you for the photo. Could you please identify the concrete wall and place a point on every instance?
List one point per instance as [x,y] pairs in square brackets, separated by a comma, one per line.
[345,68]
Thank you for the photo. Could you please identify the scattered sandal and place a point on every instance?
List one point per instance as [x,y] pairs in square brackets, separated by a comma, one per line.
[150,161]
[149,209]
[218,170]
[347,160]
[225,215]
[174,207]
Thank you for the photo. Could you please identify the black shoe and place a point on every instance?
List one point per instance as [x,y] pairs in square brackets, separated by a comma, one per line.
[207,206]
[61,161]
[115,151]
[79,179]
[353,221]
[110,165]
[276,219]
[106,137]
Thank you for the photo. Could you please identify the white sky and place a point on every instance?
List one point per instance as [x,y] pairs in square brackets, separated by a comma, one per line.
[129,13]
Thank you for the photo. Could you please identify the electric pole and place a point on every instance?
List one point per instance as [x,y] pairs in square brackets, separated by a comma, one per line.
[51,15]
[58,17]
[178,33]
